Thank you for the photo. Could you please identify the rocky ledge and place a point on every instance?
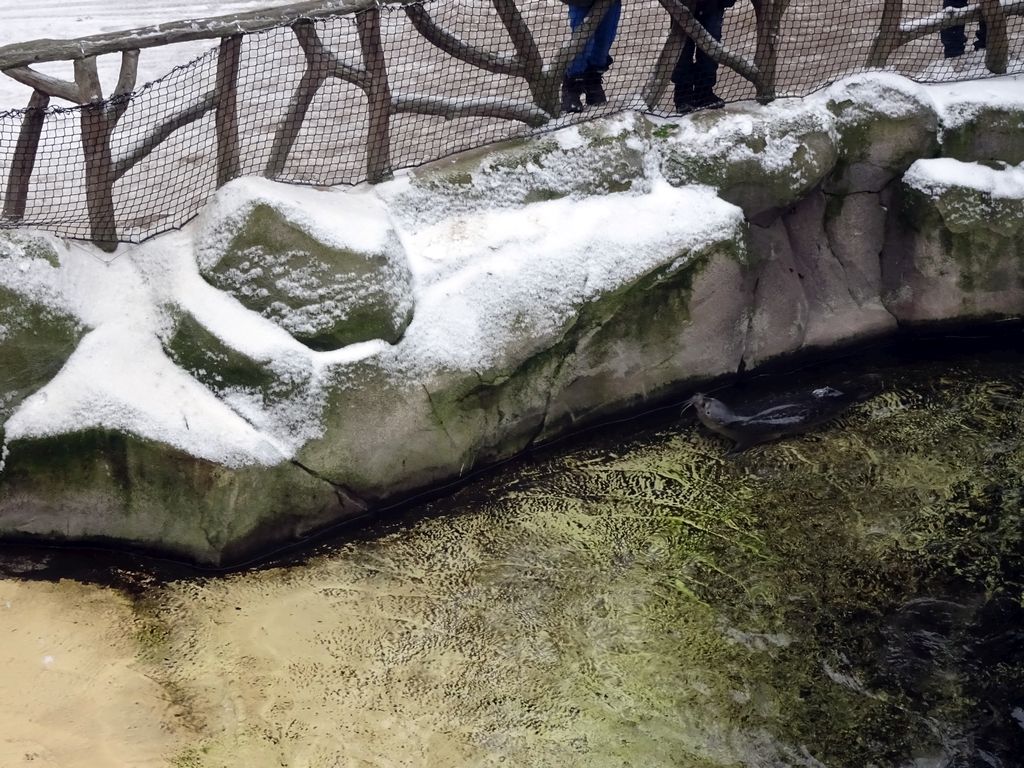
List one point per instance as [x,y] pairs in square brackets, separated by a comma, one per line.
[297,356]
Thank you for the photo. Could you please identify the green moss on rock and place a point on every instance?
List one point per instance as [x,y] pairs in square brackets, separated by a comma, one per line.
[986,134]
[35,342]
[762,165]
[880,134]
[981,236]
[26,245]
[194,348]
[110,486]
[326,296]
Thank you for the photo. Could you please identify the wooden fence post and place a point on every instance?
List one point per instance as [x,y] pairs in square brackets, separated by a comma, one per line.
[997,43]
[888,37]
[662,73]
[769,30]
[226,97]
[316,72]
[378,97]
[99,167]
[24,160]
[527,51]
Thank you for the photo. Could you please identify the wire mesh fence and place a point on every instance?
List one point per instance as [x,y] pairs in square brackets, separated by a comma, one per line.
[346,98]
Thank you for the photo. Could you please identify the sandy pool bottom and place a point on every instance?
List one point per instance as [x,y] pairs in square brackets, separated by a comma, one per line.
[72,689]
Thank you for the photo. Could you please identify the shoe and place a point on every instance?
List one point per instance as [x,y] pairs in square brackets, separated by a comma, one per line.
[593,88]
[572,92]
[682,97]
[706,100]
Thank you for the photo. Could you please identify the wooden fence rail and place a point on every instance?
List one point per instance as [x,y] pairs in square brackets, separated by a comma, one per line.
[99,115]
[893,32]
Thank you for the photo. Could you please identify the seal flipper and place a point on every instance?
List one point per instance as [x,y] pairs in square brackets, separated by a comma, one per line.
[745,442]
[741,444]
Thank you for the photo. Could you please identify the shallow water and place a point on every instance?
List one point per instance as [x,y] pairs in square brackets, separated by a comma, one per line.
[849,597]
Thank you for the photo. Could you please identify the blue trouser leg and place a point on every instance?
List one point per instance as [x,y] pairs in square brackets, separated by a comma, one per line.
[596,53]
[695,70]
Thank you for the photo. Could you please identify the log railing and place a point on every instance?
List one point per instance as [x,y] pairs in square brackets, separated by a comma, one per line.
[99,115]
[894,32]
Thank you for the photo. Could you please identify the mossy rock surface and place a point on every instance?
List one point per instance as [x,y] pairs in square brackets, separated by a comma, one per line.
[392,431]
[325,295]
[982,235]
[197,350]
[15,244]
[954,252]
[985,134]
[35,341]
[882,130]
[763,164]
[110,486]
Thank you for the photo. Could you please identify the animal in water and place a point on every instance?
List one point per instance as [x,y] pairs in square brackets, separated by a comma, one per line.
[789,414]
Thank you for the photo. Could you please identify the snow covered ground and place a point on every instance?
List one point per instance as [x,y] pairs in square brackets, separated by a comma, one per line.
[58,19]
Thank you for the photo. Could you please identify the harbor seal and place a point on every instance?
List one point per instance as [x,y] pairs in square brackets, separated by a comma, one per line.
[790,414]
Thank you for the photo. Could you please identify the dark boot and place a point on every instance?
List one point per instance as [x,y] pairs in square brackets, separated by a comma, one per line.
[705,98]
[682,97]
[572,91]
[594,88]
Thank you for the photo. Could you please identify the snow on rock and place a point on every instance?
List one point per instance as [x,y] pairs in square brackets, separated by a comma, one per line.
[760,158]
[119,379]
[874,95]
[884,123]
[594,158]
[37,333]
[984,123]
[960,102]
[30,267]
[956,242]
[935,176]
[499,285]
[327,267]
[493,278]
[353,220]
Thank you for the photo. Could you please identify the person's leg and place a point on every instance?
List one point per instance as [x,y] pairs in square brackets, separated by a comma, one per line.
[981,36]
[706,68]
[682,77]
[577,14]
[572,85]
[600,56]
[954,41]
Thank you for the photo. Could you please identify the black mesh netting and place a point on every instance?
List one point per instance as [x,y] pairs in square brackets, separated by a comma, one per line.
[132,193]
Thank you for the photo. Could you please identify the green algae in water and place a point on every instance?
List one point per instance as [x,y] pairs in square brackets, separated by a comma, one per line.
[850,597]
